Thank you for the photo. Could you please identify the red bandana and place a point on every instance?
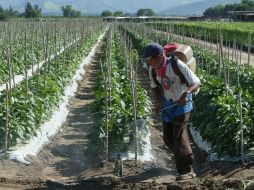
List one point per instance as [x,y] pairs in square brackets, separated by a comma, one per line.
[163,69]
[165,83]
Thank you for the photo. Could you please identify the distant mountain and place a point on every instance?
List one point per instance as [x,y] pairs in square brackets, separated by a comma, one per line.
[196,8]
[53,7]
[161,7]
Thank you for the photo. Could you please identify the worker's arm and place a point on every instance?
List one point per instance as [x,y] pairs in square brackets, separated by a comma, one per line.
[158,99]
[191,89]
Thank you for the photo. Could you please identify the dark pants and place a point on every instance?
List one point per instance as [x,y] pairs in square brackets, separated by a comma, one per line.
[176,137]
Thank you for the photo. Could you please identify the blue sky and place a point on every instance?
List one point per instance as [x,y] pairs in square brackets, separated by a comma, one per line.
[157,5]
[97,6]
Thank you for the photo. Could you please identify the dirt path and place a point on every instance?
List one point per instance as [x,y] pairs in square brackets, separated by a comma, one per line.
[64,158]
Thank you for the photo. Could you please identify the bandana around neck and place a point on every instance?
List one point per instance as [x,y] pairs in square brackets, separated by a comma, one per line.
[162,72]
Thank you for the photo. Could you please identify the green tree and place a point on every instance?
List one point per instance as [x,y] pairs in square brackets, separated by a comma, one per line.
[118,13]
[222,11]
[216,11]
[127,14]
[5,14]
[68,11]
[106,13]
[12,12]
[145,12]
[245,5]
[32,11]
[249,3]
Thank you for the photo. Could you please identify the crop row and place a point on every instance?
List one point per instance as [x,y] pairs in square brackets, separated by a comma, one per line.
[26,44]
[239,33]
[32,102]
[116,69]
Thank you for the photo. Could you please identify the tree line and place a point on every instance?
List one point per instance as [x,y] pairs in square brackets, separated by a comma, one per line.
[140,12]
[33,11]
[222,10]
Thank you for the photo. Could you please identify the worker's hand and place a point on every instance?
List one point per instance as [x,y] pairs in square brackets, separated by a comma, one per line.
[183,99]
[158,107]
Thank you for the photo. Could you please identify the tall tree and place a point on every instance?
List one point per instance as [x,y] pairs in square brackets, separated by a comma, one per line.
[68,11]
[32,11]
[222,11]
[1,9]
[106,13]
[118,13]
[13,12]
[145,12]
[5,14]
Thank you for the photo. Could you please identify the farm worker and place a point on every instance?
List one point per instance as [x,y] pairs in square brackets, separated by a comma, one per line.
[174,99]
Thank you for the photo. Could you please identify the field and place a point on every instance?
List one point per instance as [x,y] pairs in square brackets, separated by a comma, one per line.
[76,109]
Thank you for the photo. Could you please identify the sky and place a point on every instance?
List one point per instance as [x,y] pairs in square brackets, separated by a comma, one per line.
[93,5]
[97,6]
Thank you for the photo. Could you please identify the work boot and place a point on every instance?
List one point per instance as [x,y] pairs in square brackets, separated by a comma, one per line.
[190,175]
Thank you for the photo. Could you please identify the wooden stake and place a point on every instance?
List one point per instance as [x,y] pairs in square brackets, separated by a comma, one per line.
[249,46]
[32,48]
[26,77]
[46,71]
[7,118]
[55,47]
[8,56]
[107,115]
[223,64]
[10,60]
[134,98]
[240,111]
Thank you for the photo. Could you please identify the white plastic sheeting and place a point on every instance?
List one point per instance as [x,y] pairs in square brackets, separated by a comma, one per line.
[213,156]
[146,155]
[51,127]
[202,144]
[144,149]
[19,78]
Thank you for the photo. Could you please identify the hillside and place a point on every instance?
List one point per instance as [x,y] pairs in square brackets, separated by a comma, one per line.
[53,7]
[195,8]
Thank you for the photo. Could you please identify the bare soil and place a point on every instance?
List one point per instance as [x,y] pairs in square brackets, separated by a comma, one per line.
[65,162]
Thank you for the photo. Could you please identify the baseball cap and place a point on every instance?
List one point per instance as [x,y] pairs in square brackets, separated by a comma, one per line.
[151,50]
